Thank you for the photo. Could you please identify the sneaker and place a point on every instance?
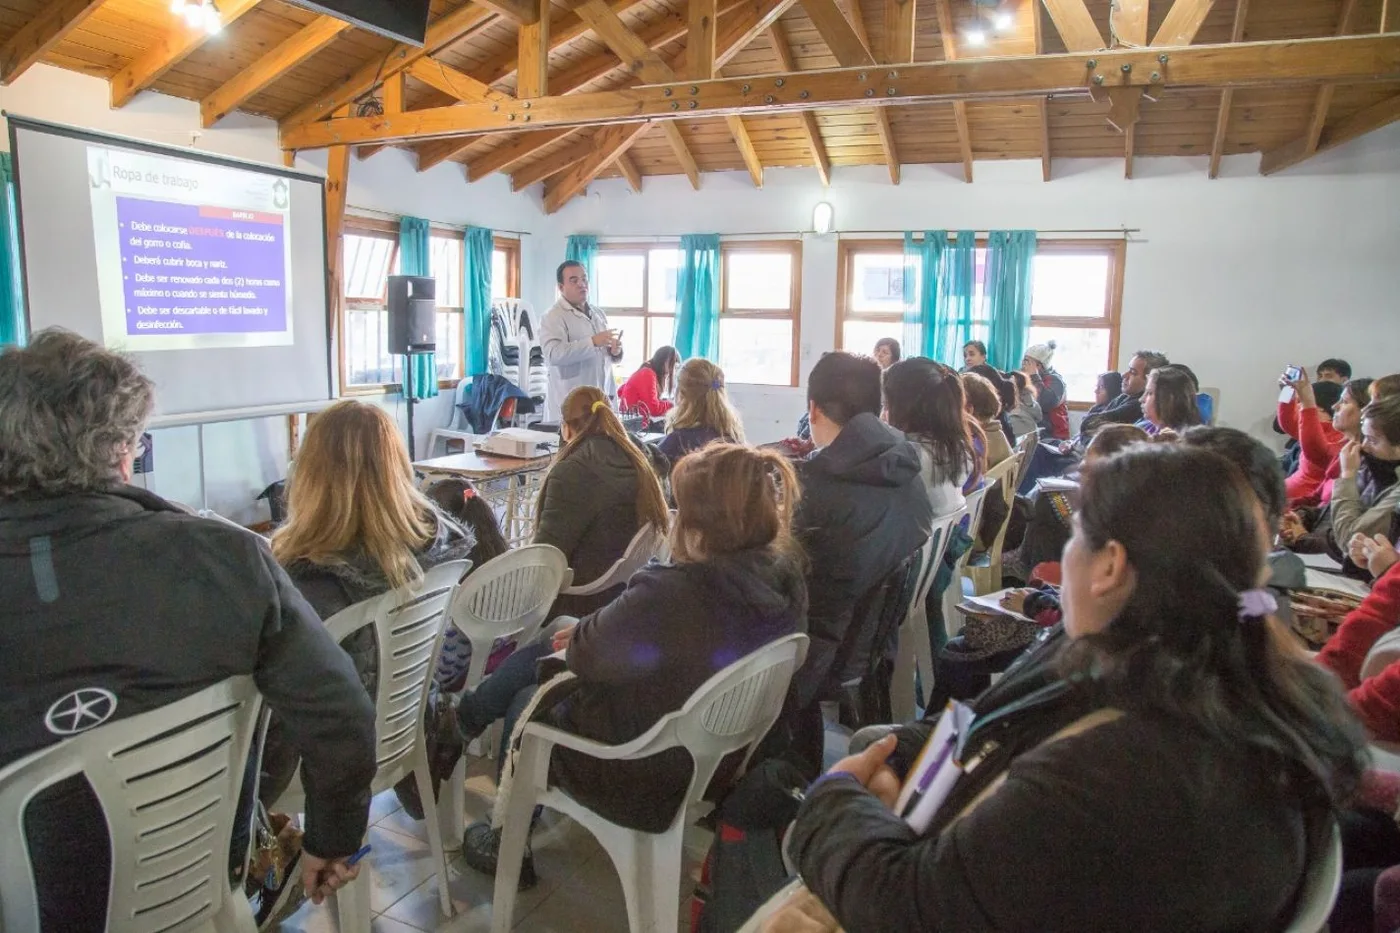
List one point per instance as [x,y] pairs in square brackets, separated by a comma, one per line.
[480,847]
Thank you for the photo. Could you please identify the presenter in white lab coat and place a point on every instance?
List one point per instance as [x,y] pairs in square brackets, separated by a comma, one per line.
[578,347]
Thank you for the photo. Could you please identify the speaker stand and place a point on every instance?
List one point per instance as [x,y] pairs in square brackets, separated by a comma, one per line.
[409,400]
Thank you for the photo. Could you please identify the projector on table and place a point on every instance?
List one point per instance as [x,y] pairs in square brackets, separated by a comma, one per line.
[518,442]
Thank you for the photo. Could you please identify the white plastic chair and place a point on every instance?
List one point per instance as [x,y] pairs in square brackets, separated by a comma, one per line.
[647,543]
[408,626]
[952,620]
[168,782]
[987,578]
[663,551]
[507,597]
[731,711]
[457,428]
[914,648]
[1385,652]
[1322,881]
[1025,449]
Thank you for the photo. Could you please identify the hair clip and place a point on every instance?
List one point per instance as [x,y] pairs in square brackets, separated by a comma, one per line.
[717,385]
[597,405]
[468,493]
[1256,604]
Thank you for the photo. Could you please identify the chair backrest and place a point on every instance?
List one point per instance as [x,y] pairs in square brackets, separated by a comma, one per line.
[408,625]
[932,553]
[1025,450]
[1322,880]
[647,543]
[168,782]
[507,596]
[975,500]
[1385,652]
[732,710]
[663,551]
[456,420]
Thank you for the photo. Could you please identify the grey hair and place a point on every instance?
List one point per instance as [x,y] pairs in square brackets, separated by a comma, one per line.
[70,412]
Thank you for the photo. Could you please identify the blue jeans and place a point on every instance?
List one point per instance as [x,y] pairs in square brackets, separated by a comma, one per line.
[502,695]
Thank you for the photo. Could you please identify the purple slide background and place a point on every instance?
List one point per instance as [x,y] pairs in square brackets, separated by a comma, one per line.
[244,259]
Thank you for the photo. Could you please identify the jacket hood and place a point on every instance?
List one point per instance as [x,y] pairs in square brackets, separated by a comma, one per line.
[869,452]
[359,571]
[763,581]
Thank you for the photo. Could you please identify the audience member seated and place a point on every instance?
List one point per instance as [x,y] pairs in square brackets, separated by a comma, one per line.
[863,513]
[1168,682]
[1334,370]
[1108,387]
[111,589]
[1366,493]
[1169,403]
[1025,416]
[1307,418]
[887,352]
[1005,388]
[1376,699]
[734,585]
[1126,407]
[356,527]
[599,492]
[642,393]
[974,354]
[925,400]
[1049,388]
[703,413]
[984,405]
[1385,387]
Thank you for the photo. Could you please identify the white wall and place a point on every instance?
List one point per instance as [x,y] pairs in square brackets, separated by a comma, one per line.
[1234,277]
[241,458]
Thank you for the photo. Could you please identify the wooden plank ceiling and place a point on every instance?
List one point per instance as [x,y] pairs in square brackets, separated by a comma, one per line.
[296,66]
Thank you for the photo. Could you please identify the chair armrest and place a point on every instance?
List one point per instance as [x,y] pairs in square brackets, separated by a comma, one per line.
[592,749]
[604,582]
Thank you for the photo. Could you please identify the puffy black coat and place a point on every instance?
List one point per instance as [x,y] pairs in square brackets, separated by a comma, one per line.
[864,510]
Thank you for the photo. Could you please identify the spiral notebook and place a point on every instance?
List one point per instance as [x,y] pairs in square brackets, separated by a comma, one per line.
[936,769]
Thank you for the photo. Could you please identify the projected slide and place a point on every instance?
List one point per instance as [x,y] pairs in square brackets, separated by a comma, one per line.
[189,255]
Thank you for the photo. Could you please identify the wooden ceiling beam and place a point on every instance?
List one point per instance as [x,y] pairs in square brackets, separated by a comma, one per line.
[1353,127]
[746,149]
[302,44]
[1075,25]
[516,148]
[629,171]
[1227,96]
[563,158]
[563,29]
[604,148]
[701,39]
[635,54]
[899,32]
[682,151]
[168,51]
[838,34]
[950,53]
[887,142]
[1350,59]
[54,21]
[522,12]
[1042,102]
[1128,22]
[532,54]
[442,32]
[1183,21]
[782,51]
[1289,153]
[453,83]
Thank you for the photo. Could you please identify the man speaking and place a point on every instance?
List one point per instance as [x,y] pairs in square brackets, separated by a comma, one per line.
[578,346]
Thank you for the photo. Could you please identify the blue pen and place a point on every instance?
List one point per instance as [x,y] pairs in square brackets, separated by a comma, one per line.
[355,859]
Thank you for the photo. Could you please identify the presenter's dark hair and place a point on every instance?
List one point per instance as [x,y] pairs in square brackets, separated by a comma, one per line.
[564,267]
[844,385]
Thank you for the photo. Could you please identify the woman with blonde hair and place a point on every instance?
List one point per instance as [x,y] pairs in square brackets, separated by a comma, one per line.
[736,583]
[599,492]
[703,413]
[356,527]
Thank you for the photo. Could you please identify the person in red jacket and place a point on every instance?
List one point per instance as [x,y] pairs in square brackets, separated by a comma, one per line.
[1303,418]
[642,393]
[1376,700]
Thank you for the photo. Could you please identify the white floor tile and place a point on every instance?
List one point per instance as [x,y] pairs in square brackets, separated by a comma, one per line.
[397,865]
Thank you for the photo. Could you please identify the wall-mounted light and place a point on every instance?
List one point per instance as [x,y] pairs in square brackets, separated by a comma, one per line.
[823,218]
[198,14]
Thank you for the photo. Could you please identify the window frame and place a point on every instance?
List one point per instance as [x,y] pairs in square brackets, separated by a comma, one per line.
[389,230]
[793,248]
[1111,320]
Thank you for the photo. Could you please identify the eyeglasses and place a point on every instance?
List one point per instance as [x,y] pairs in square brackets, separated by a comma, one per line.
[140,449]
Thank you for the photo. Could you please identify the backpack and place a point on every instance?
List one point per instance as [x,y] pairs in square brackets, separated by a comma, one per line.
[744,866]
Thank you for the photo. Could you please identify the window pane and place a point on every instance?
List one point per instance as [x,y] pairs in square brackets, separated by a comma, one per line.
[1070,285]
[860,336]
[758,281]
[367,359]
[877,282]
[449,345]
[445,265]
[663,270]
[366,266]
[756,350]
[662,334]
[619,282]
[1081,353]
[500,274]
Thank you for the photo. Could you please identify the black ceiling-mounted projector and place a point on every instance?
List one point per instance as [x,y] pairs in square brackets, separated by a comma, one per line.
[400,20]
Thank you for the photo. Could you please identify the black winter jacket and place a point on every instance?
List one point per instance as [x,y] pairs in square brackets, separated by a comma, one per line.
[1125,409]
[645,653]
[864,510]
[123,592]
[1142,823]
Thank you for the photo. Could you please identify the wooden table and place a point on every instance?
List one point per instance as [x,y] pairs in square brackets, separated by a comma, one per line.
[509,484]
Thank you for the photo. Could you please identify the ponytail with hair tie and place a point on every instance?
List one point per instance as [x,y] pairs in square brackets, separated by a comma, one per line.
[597,405]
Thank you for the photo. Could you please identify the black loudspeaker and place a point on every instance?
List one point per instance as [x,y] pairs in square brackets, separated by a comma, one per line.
[412,314]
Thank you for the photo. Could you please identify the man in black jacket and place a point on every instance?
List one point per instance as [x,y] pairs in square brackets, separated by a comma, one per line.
[1127,407]
[864,511]
[111,590]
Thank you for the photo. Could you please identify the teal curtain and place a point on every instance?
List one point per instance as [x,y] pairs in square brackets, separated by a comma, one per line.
[1007,290]
[476,326]
[697,297]
[416,259]
[583,249]
[956,282]
[12,325]
[923,274]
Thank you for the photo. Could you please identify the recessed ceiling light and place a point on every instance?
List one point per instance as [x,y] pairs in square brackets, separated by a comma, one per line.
[975,37]
[1003,21]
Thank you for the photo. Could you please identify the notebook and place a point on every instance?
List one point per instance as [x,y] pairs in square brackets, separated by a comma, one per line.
[936,769]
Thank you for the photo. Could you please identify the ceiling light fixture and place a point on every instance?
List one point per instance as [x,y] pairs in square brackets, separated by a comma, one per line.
[976,37]
[198,14]
[1003,21]
[823,218]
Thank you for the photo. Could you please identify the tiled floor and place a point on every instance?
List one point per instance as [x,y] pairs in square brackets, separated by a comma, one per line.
[578,888]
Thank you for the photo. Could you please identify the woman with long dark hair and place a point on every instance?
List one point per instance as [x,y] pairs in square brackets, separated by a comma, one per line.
[1167,761]
[925,400]
[644,391]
